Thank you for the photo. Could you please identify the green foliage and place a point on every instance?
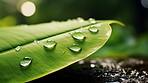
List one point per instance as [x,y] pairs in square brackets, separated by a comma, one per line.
[123,44]
[25,53]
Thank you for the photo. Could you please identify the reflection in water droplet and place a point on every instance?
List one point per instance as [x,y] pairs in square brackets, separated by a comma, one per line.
[80,19]
[75,48]
[78,35]
[50,44]
[18,48]
[108,33]
[92,20]
[26,61]
[93,29]
[36,41]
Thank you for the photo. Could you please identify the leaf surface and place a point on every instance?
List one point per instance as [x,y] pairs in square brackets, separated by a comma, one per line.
[45,61]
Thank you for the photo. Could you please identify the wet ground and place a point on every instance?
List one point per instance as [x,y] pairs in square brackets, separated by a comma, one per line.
[131,70]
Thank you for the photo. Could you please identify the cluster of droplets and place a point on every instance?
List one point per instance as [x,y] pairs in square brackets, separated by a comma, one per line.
[51,44]
[90,20]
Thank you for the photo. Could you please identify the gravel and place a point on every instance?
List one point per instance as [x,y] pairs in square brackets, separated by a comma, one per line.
[131,70]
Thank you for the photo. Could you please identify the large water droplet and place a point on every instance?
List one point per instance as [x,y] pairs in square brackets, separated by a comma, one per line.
[75,48]
[80,19]
[93,29]
[50,44]
[26,61]
[92,20]
[78,35]
[18,48]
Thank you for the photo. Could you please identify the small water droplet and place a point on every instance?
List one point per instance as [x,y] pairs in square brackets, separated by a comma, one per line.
[80,19]
[93,29]
[75,48]
[26,61]
[63,52]
[92,20]
[78,35]
[18,48]
[50,44]
[36,41]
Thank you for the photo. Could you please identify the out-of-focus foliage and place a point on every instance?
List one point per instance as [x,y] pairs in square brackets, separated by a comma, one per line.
[8,21]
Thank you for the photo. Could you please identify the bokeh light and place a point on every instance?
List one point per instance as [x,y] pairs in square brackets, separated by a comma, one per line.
[144,3]
[28,8]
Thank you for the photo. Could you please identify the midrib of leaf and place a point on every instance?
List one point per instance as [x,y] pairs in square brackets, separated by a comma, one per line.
[9,49]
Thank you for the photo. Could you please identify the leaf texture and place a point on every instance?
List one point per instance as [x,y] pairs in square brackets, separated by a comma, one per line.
[46,61]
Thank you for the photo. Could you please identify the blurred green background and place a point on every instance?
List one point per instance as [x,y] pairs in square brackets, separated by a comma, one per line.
[129,41]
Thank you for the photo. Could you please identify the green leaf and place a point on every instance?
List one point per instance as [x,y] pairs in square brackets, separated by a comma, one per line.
[43,60]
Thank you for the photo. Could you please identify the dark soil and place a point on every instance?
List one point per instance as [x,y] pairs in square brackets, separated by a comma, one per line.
[131,70]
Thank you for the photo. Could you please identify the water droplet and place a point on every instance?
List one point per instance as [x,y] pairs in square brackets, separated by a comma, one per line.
[92,20]
[75,48]
[63,52]
[80,19]
[78,35]
[93,29]
[50,44]
[18,48]
[36,41]
[26,61]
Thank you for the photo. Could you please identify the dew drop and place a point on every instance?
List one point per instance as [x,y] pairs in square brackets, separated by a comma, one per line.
[26,61]
[80,19]
[78,35]
[75,48]
[92,20]
[93,29]
[50,44]
[36,41]
[18,48]
[63,52]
